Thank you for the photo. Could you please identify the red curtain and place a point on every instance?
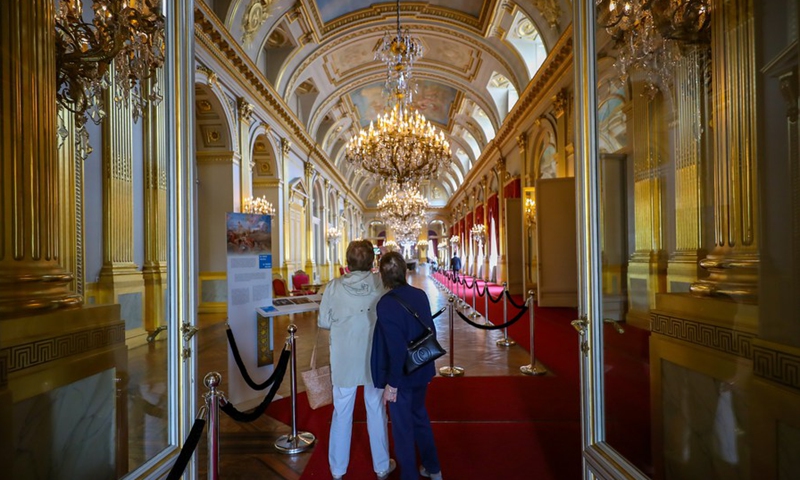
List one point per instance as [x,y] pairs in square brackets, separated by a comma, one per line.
[513,189]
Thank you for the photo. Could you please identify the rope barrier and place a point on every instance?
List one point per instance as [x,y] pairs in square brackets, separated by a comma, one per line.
[511,301]
[495,327]
[243,370]
[188,449]
[280,370]
[499,297]
[438,313]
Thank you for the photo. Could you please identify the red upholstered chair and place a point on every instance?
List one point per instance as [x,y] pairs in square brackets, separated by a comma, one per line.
[279,288]
[299,279]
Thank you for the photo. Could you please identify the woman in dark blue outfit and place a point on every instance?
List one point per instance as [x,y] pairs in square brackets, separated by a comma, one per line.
[405,394]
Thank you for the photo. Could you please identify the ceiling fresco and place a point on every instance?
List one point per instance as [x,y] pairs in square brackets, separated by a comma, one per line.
[432,99]
[332,9]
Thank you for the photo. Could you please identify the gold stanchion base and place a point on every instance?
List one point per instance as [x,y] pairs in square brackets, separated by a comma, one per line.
[451,371]
[506,342]
[291,445]
[533,369]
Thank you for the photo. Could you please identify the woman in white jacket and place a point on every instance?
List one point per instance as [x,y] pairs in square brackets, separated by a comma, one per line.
[348,311]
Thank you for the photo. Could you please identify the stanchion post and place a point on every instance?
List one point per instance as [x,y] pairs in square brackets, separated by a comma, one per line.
[451,370]
[212,380]
[505,341]
[298,441]
[533,368]
[486,303]
[474,291]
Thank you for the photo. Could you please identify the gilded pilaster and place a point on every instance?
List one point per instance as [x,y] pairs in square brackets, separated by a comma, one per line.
[73,147]
[246,171]
[119,275]
[31,276]
[154,270]
[325,269]
[647,267]
[502,265]
[690,138]
[285,213]
[310,171]
[485,186]
[733,262]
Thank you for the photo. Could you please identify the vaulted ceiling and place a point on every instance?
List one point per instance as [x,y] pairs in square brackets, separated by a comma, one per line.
[320,57]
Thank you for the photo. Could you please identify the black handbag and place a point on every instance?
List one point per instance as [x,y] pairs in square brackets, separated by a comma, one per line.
[423,349]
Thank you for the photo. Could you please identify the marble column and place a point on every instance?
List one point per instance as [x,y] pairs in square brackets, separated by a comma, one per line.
[32,277]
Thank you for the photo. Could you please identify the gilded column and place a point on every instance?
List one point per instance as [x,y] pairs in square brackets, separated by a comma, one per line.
[284,212]
[246,152]
[73,148]
[647,267]
[690,139]
[31,276]
[487,239]
[310,171]
[529,174]
[154,270]
[119,274]
[325,269]
[733,262]
[502,265]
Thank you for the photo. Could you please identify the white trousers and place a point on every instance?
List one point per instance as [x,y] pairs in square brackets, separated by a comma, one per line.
[344,399]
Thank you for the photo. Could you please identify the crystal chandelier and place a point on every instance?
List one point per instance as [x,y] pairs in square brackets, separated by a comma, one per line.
[127,33]
[403,147]
[650,35]
[391,246]
[333,235]
[258,205]
[530,211]
[478,233]
[454,240]
[403,209]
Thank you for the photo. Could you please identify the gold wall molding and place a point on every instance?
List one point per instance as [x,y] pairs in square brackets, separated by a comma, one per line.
[716,337]
[777,363]
[38,352]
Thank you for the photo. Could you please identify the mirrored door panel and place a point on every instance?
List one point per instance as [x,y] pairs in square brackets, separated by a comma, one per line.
[698,181]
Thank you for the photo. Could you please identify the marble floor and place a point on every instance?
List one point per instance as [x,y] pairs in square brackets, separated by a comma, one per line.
[247,449]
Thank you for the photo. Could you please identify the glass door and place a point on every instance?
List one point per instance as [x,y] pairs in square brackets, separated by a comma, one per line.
[688,179]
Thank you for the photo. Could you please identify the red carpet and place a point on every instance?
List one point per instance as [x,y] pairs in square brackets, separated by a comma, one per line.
[514,427]
[511,428]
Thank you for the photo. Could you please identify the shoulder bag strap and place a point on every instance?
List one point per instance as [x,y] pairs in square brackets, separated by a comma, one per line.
[408,309]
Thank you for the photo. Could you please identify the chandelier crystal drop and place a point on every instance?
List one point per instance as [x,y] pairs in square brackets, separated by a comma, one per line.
[126,35]
[402,147]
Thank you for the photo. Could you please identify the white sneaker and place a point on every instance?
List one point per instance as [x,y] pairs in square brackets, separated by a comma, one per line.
[385,475]
[426,474]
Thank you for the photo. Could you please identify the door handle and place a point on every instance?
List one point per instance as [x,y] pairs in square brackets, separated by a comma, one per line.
[580,325]
[188,331]
[617,326]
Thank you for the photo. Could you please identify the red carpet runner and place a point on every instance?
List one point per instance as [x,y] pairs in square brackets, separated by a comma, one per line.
[509,427]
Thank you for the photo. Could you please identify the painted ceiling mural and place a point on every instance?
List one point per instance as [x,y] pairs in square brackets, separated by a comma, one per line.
[331,45]
[431,99]
[333,9]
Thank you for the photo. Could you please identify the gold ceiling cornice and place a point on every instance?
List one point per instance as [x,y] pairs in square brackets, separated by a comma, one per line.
[214,36]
